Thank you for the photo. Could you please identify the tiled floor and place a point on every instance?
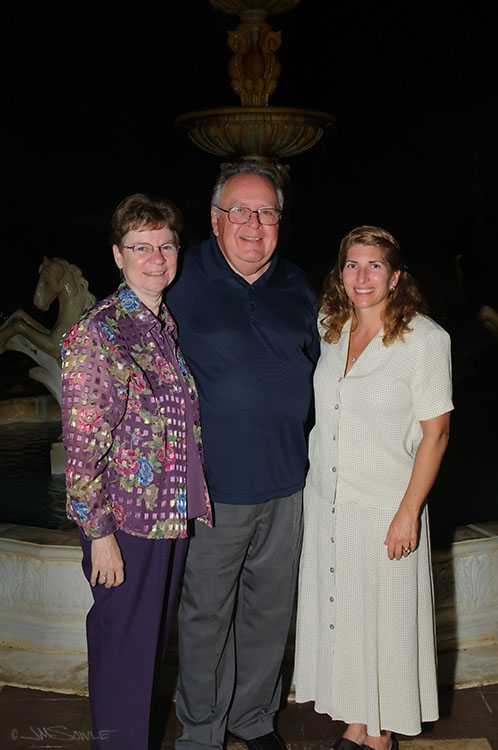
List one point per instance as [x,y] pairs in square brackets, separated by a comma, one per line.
[49,721]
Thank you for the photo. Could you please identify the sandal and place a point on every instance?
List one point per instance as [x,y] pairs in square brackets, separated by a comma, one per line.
[344,744]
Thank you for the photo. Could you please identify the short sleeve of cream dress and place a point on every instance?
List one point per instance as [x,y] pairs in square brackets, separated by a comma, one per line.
[365,648]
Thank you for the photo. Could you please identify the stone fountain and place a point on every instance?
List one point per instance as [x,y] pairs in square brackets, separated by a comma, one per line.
[254,129]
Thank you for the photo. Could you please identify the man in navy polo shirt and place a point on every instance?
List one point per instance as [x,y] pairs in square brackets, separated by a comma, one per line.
[247,327]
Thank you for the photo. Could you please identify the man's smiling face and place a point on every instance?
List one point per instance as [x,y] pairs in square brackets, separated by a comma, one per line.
[248,248]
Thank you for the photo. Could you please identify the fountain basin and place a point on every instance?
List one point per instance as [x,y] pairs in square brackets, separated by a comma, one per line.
[466,588]
[261,132]
[44,599]
[44,596]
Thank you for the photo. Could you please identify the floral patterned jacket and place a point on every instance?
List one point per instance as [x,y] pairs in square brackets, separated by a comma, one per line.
[131,430]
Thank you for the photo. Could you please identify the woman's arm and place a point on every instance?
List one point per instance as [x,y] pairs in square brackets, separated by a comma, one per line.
[403,531]
[92,407]
[89,413]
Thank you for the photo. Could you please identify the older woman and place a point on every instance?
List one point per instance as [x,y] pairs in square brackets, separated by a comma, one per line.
[365,634]
[134,468]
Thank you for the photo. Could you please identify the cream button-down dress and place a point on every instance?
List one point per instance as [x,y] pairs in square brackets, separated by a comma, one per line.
[365,649]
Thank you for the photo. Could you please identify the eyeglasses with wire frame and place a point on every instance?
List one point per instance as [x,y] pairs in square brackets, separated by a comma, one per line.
[146,249]
[241,214]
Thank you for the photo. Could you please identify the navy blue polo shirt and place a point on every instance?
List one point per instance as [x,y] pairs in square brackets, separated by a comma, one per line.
[252,350]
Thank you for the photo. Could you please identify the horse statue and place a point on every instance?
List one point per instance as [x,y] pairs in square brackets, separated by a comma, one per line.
[22,333]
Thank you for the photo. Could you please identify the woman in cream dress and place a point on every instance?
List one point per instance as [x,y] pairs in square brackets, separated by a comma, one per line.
[366,651]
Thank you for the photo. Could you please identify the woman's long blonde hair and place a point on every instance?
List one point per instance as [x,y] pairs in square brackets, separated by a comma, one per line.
[402,304]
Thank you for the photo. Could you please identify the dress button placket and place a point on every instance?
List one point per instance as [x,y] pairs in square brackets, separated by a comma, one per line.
[335,425]
[333,468]
[331,589]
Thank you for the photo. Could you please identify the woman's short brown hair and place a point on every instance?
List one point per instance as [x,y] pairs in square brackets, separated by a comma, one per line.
[141,210]
[403,303]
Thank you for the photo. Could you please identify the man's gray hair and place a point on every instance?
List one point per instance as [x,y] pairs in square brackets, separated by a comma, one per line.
[251,166]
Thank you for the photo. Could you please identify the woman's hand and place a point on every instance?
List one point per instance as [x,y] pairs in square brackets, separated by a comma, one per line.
[402,534]
[107,563]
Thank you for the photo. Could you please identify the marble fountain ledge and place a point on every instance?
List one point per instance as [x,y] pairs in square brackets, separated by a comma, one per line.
[44,598]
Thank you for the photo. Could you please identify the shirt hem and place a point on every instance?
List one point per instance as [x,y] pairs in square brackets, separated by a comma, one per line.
[256,499]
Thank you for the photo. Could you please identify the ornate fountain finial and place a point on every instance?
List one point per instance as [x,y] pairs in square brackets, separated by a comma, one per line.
[254,67]
[255,130]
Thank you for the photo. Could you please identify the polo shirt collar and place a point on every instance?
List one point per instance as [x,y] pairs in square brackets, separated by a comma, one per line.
[143,318]
[216,266]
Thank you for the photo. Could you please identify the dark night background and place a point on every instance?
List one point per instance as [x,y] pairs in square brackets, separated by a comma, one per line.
[91,93]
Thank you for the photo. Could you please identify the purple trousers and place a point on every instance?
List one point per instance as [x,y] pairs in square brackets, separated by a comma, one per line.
[127,630]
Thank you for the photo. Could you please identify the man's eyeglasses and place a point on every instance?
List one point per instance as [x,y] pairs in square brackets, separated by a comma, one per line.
[241,215]
[145,249]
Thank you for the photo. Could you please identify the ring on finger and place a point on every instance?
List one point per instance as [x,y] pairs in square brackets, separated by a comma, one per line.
[406,550]
[103,579]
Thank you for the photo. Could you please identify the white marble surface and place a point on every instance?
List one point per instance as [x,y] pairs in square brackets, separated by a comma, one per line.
[62,673]
[469,667]
[44,596]
[466,588]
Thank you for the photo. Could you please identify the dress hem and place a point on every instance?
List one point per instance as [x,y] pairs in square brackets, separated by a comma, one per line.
[355,720]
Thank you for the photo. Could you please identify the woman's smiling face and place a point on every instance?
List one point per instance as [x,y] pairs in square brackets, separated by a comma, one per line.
[367,277]
[147,275]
